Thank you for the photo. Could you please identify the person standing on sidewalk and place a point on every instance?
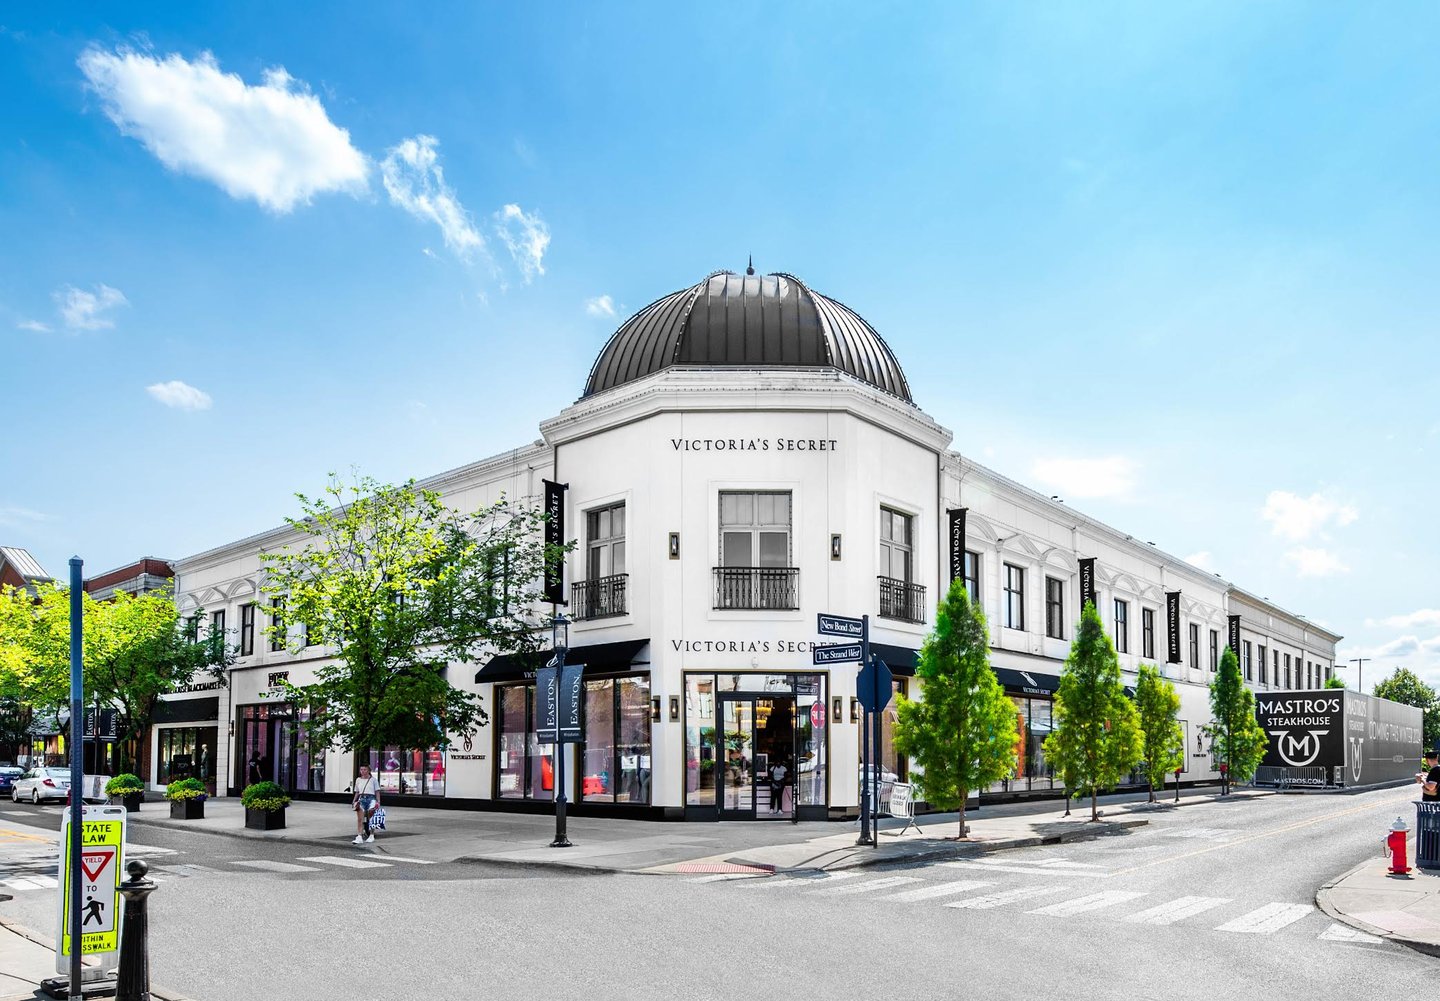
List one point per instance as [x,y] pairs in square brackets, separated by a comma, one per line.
[1429,781]
[364,800]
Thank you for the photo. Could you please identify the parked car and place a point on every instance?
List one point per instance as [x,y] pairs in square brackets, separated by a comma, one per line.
[8,775]
[40,784]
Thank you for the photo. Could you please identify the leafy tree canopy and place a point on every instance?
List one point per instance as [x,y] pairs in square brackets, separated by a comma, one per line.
[399,586]
[962,731]
[1334,681]
[1405,687]
[1158,705]
[1237,738]
[1096,740]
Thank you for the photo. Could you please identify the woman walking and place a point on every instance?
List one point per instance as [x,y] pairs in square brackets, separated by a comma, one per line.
[365,800]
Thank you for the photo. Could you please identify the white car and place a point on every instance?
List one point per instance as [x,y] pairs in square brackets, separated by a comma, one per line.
[40,784]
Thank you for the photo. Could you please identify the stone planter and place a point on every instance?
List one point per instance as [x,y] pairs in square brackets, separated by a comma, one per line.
[187,809]
[132,801]
[264,820]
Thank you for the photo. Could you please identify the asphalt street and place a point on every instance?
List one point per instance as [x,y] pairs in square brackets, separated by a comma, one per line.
[1207,901]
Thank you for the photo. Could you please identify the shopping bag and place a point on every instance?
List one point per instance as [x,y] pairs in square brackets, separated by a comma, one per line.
[377,819]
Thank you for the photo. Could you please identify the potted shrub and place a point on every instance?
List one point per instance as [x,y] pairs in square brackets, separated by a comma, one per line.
[187,799]
[129,788]
[265,804]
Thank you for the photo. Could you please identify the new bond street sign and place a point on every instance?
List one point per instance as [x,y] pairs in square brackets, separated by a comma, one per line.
[839,625]
[836,653]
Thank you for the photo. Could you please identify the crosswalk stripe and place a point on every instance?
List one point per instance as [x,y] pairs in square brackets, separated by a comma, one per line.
[1045,863]
[401,858]
[32,882]
[725,877]
[348,863]
[1026,869]
[1090,902]
[269,866]
[1177,910]
[1005,897]
[1344,933]
[794,882]
[941,890]
[869,885]
[1267,920]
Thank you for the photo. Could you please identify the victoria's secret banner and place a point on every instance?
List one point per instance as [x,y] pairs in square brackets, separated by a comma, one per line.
[555,536]
[1235,635]
[1087,584]
[1172,627]
[957,543]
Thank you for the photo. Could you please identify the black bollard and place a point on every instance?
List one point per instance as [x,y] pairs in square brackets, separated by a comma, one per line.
[134,975]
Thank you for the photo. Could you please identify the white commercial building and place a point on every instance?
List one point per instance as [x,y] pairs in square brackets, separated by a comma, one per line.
[746,455]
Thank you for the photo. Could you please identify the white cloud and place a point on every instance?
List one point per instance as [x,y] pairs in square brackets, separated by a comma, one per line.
[527,238]
[1299,518]
[273,142]
[83,310]
[1201,560]
[179,395]
[1315,562]
[601,305]
[18,517]
[1112,476]
[1410,620]
[413,177]
[35,325]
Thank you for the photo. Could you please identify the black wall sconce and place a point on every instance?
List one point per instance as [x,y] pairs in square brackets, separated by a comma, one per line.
[674,545]
[854,710]
[835,546]
[837,708]
[674,709]
[655,709]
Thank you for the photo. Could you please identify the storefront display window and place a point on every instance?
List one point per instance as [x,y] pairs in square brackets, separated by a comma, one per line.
[615,759]
[186,752]
[1033,773]
[526,769]
[407,771]
[700,740]
[273,747]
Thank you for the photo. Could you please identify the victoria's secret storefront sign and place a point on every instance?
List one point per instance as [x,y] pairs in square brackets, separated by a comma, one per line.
[745,646]
[754,444]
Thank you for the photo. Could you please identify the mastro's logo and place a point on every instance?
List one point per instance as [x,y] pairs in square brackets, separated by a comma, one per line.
[1356,762]
[1298,751]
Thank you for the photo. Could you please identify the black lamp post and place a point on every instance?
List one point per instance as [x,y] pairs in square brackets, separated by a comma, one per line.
[559,642]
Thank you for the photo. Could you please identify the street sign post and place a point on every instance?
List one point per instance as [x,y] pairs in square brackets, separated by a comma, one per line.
[96,874]
[839,625]
[836,653]
[873,685]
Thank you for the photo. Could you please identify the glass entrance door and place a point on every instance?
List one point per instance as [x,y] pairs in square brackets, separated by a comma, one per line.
[759,764]
[737,798]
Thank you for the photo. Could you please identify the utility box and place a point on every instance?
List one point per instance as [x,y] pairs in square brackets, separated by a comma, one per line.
[1333,737]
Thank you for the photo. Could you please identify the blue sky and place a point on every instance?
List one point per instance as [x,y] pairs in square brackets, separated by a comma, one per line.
[1173,263]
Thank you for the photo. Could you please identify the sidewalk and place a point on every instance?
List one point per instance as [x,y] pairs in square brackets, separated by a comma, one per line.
[26,959]
[611,845]
[1403,909]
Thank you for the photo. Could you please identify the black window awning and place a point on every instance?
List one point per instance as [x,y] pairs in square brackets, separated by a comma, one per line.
[598,658]
[1027,682]
[900,659]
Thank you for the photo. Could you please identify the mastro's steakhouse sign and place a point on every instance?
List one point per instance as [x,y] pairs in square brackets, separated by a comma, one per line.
[1304,730]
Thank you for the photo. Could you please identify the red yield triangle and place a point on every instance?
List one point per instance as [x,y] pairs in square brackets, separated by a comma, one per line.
[94,864]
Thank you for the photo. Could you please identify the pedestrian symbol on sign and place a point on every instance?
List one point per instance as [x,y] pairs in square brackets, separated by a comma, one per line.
[94,911]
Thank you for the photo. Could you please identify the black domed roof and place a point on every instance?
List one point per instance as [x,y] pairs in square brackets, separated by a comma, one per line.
[747,321]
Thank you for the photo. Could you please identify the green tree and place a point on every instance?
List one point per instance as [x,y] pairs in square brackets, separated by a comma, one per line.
[962,729]
[399,586]
[136,650]
[1405,687]
[1096,740]
[1158,704]
[35,645]
[1236,736]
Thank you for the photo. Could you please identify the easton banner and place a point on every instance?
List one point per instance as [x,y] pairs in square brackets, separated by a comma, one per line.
[1235,635]
[555,536]
[1172,627]
[1087,584]
[957,543]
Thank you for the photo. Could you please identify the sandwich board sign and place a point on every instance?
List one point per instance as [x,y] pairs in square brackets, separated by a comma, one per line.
[101,858]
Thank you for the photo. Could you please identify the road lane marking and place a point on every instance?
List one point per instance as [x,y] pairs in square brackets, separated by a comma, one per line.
[401,858]
[1091,902]
[348,863]
[868,885]
[793,882]
[931,892]
[725,877]
[1177,910]
[1005,897]
[1026,869]
[1344,933]
[269,866]
[1267,920]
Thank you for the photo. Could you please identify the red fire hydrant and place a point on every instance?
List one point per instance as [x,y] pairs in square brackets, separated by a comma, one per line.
[1395,845]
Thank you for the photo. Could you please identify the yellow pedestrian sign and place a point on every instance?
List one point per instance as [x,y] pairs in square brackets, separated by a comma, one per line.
[100,873]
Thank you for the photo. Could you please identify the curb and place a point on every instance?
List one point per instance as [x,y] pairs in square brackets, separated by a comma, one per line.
[1322,901]
[14,927]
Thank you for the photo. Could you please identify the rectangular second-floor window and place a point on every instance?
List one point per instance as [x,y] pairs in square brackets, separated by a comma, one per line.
[605,542]
[247,629]
[1287,672]
[217,624]
[1014,597]
[277,624]
[1214,650]
[1249,664]
[972,576]
[1122,626]
[1263,667]
[755,529]
[1147,633]
[1194,646]
[1055,608]
[896,545]
[1275,672]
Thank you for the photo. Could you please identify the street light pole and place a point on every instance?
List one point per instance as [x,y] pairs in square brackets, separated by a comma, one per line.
[559,641]
[1360,674]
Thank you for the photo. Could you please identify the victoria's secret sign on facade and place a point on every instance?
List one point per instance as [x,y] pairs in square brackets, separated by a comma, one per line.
[754,444]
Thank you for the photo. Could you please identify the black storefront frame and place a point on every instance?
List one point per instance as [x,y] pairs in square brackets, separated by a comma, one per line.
[279,714]
[714,813]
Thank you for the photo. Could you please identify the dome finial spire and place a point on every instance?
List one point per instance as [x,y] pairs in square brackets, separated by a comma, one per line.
[750,265]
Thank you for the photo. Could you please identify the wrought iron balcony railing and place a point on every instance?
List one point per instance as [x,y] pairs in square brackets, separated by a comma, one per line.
[902,600]
[756,587]
[601,598]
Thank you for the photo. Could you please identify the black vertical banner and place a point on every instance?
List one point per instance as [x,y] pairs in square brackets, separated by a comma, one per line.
[1087,584]
[555,536]
[1235,635]
[1172,627]
[957,543]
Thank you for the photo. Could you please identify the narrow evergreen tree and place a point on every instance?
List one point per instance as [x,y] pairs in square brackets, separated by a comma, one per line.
[1233,729]
[962,729]
[1096,740]
[1158,704]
